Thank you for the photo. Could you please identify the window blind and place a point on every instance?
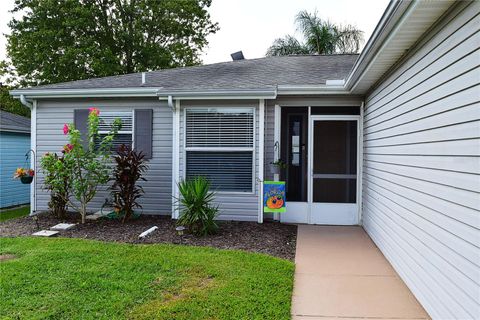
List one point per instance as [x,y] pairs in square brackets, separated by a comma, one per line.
[124,136]
[219,128]
[219,145]
[107,117]
[227,171]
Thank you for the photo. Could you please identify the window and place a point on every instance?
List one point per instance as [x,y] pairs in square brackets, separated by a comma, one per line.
[219,145]
[125,135]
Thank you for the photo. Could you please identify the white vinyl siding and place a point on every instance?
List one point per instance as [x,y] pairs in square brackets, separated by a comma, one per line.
[421,174]
[219,145]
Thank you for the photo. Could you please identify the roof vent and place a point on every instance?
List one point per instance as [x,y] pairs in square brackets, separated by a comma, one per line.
[237,56]
[143,78]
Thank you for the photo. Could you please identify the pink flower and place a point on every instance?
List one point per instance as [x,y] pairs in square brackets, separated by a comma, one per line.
[65,129]
[68,147]
[94,110]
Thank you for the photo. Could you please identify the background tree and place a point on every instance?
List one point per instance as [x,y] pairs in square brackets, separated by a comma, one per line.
[7,103]
[320,37]
[66,40]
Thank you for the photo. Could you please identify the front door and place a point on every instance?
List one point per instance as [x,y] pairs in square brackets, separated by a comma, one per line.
[333,167]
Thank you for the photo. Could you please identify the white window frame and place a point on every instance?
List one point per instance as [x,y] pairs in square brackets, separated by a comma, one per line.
[131,132]
[225,149]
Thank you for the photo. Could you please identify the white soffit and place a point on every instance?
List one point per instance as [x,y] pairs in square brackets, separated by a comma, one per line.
[395,41]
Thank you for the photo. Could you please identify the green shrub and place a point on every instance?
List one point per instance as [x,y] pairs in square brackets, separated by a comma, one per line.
[57,180]
[195,204]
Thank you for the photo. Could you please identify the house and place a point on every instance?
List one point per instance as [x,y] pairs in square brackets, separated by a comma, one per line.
[14,145]
[388,139]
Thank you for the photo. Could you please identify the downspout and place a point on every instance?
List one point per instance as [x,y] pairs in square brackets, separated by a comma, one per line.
[33,149]
[360,165]
[24,101]
[174,153]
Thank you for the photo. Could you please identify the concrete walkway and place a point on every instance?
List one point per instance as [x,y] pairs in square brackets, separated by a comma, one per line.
[341,274]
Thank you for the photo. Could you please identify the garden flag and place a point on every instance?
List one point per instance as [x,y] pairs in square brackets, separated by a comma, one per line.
[274,196]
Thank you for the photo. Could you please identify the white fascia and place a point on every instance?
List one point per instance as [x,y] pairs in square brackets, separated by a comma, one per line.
[219,94]
[366,53]
[85,93]
[311,90]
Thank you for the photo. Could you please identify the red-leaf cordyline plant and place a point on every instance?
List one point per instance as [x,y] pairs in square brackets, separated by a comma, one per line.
[130,168]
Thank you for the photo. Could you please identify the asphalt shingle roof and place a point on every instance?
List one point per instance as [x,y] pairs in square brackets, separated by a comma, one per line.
[13,122]
[241,74]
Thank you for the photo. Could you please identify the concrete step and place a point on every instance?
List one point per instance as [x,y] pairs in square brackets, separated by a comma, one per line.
[63,226]
[46,233]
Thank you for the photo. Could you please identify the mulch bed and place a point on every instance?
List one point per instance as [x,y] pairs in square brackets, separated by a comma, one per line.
[271,238]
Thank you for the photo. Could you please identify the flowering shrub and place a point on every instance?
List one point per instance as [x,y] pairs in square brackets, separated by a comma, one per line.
[86,167]
[22,172]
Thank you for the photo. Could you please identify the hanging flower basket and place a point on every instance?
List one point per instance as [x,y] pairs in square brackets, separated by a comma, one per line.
[277,166]
[26,180]
[25,175]
[274,169]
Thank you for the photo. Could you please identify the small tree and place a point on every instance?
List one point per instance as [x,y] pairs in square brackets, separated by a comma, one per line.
[89,167]
[129,169]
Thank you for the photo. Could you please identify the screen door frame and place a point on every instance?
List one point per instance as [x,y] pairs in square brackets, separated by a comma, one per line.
[334,213]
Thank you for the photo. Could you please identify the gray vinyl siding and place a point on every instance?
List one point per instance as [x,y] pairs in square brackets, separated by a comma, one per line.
[233,206]
[421,169]
[269,146]
[51,115]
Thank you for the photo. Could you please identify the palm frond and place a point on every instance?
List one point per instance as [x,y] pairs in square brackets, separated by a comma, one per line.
[320,37]
[286,46]
[350,38]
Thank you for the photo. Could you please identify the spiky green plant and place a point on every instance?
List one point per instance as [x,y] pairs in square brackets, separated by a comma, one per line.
[197,211]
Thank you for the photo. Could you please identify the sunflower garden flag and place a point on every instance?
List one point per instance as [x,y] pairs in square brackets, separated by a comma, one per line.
[274,196]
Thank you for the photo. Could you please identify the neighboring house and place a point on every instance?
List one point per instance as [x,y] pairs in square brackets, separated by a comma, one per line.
[388,140]
[14,144]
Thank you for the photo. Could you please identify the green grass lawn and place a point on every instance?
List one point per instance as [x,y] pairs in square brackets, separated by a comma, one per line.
[84,279]
[14,213]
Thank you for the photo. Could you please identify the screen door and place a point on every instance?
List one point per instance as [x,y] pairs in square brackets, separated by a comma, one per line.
[334,170]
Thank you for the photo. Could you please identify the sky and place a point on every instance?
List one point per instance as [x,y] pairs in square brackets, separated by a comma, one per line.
[252,25]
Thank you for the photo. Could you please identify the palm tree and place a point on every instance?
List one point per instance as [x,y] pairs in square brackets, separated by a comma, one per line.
[320,37]
[286,46]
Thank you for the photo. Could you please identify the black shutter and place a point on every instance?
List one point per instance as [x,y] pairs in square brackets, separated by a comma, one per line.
[80,120]
[143,131]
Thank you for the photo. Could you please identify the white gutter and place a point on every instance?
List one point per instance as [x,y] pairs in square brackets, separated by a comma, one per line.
[320,89]
[366,57]
[85,93]
[219,94]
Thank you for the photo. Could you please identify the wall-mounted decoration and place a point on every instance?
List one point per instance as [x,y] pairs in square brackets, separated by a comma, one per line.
[274,196]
